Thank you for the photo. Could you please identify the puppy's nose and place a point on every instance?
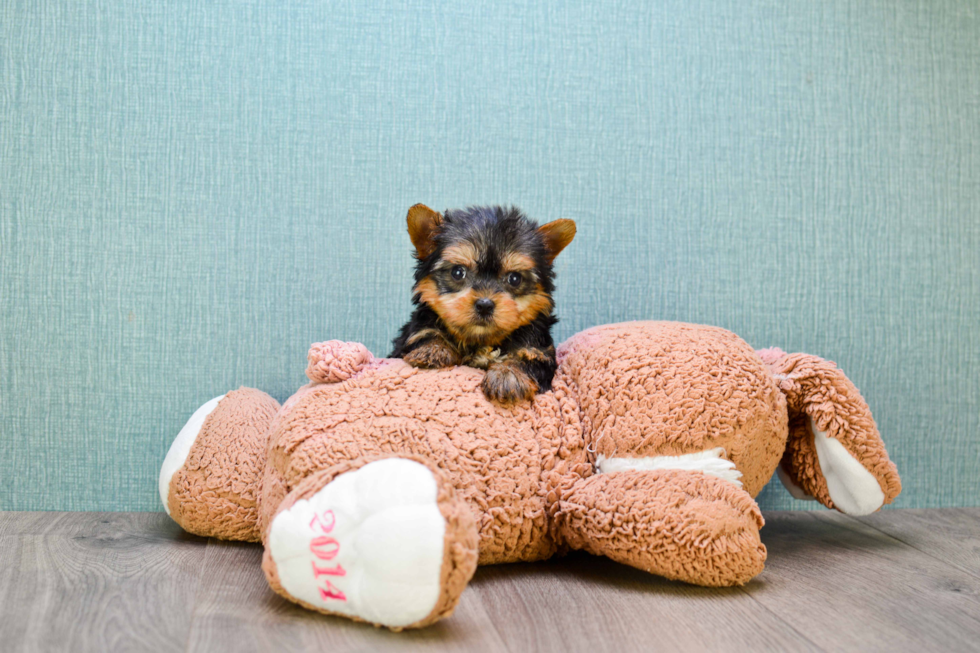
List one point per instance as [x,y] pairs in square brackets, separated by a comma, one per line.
[484,307]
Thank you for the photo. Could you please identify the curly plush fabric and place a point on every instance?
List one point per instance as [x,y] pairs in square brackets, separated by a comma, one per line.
[335,360]
[688,421]
[672,389]
[215,493]
[690,527]
[492,453]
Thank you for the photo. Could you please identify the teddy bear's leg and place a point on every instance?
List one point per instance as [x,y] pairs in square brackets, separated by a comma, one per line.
[209,480]
[385,541]
[681,524]
[834,452]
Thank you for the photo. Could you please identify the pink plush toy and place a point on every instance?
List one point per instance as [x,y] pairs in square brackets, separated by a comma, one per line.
[378,487]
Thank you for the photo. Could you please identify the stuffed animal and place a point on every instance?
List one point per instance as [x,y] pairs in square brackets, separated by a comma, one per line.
[377,488]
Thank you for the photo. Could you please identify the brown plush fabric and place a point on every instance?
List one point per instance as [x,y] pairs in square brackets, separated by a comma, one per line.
[520,483]
[333,361]
[215,493]
[816,388]
[492,454]
[668,388]
[273,488]
[679,524]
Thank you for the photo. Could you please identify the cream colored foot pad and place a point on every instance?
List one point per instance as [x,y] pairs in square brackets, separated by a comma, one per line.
[369,544]
[853,489]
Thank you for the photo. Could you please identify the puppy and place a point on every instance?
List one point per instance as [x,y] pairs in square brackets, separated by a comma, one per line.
[483,286]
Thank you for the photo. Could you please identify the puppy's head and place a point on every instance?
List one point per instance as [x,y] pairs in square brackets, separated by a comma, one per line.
[485,271]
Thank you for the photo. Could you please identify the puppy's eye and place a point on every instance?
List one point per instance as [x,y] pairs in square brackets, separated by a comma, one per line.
[515,279]
[458,272]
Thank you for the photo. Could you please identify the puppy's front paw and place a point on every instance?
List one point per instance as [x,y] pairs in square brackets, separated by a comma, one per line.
[508,384]
[432,354]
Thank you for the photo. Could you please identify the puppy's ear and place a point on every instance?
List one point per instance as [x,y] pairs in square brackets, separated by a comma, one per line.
[556,236]
[423,225]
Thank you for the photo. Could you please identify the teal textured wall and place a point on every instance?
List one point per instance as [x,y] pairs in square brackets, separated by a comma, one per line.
[192,192]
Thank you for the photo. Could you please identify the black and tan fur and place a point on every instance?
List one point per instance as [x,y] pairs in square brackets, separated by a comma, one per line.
[483,287]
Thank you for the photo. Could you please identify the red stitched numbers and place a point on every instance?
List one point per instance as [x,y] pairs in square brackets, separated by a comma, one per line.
[324,522]
[326,548]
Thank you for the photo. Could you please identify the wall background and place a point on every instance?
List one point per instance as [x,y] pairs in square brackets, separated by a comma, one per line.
[191,193]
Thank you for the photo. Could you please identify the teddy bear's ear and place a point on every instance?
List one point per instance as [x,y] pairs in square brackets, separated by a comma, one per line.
[556,236]
[423,225]
[334,361]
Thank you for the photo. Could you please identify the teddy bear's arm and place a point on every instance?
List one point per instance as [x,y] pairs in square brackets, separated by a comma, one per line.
[681,524]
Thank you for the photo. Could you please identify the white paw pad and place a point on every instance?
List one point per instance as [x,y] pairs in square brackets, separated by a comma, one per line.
[369,544]
[853,489]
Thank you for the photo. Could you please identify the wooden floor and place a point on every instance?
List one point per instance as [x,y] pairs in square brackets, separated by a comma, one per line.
[900,580]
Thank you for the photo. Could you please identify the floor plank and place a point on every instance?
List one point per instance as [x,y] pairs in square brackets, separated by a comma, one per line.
[848,587]
[237,611]
[96,582]
[898,581]
[41,523]
[951,535]
[585,603]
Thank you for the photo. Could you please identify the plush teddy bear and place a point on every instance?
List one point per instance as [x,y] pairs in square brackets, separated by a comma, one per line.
[377,488]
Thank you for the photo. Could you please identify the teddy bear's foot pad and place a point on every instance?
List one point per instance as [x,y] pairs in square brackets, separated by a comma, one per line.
[369,544]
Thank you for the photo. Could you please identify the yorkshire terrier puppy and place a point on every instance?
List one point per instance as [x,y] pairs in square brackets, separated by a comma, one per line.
[482,293]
